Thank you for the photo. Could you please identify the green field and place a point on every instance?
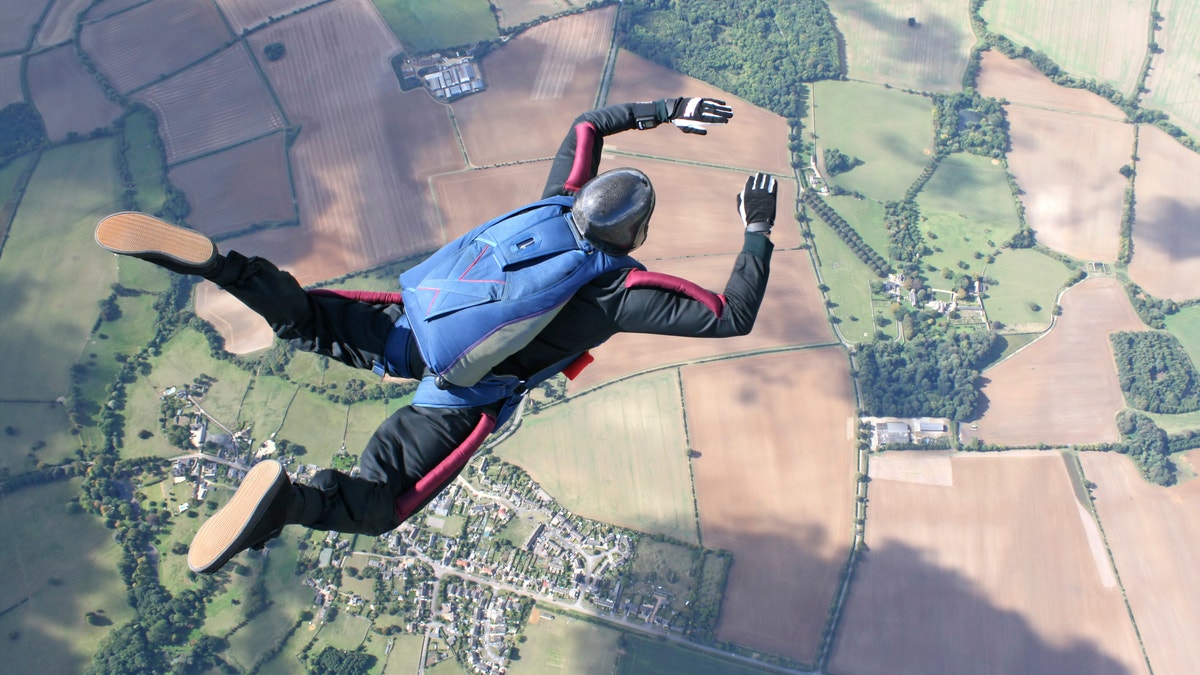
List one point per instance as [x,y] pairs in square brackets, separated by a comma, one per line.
[1174,87]
[185,357]
[346,632]
[975,189]
[866,217]
[889,130]
[1185,325]
[9,174]
[405,654]
[1025,279]
[642,656]
[362,422]
[881,48]
[288,598]
[1105,41]
[33,433]
[266,406]
[127,335]
[52,271]
[559,643]
[617,455]
[146,162]
[1173,424]
[426,26]
[665,566]
[849,281]
[317,424]
[66,565]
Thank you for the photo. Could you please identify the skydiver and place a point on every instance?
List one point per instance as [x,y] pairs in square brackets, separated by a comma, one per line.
[422,447]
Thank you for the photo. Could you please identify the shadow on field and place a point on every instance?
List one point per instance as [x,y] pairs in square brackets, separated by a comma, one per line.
[906,614]
[930,28]
[1173,233]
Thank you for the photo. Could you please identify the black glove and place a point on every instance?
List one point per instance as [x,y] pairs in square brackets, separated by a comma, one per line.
[692,115]
[756,203]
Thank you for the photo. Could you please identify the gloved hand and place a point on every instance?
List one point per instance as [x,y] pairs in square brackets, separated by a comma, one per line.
[692,115]
[756,203]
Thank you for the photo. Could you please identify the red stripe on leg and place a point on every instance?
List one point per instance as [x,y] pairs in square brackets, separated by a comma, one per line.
[437,478]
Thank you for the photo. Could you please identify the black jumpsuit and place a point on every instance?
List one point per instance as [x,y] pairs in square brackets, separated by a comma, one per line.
[416,439]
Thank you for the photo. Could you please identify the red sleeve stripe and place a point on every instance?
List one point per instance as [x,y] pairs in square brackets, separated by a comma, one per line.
[369,297]
[641,279]
[431,483]
[581,170]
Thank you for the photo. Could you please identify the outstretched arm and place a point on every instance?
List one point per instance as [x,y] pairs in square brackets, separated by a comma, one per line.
[578,157]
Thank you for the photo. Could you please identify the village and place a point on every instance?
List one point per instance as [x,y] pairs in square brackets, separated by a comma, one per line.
[465,572]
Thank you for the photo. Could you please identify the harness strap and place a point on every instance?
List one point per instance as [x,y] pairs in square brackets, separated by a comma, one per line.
[440,476]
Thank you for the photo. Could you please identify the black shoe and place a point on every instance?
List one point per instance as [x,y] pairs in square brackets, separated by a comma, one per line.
[256,514]
[141,236]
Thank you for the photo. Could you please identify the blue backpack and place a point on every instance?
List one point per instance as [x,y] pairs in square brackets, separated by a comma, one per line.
[487,294]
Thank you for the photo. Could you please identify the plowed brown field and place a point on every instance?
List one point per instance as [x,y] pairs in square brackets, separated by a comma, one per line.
[1166,251]
[17,20]
[775,485]
[135,47]
[1002,571]
[217,103]
[239,187]
[66,95]
[59,23]
[1153,533]
[245,14]
[1018,81]
[536,85]
[1063,388]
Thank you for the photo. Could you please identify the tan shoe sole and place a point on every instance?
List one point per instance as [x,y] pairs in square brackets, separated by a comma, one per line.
[223,536]
[131,233]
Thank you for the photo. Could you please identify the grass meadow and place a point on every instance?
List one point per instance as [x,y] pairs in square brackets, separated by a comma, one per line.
[1105,41]
[346,632]
[617,454]
[52,274]
[866,217]
[889,130]
[58,568]
[288,597]
[655,563]
[1185,325]
[1026,279]
[644,655]
[318,425]
[145,160]
[559,644]
[849,281]
[425,26]
[406,654]
[184,358]
[39,433]
[9,174]
[975,189]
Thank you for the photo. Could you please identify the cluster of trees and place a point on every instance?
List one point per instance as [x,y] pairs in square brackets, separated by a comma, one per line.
[837,161]
[21,131]
[332,660]
[761,50]
[968,122]
[902,220]
[274,51]
[928,376]
[848,234]
[1152,311]
[919,184]
[1147,445]
[1155,372]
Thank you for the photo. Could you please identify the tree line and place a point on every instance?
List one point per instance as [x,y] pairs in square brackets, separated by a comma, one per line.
[21,131]
[846,233]
[1155,372]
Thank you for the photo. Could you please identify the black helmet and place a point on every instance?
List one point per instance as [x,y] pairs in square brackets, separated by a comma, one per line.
[613,210]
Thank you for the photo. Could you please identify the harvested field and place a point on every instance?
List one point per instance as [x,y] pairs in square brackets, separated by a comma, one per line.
[516,12]
[792,314]
[243,14]
[1166,253]
[775,485]
[1022,84]
[17,21]
[468,198]
[1093,40]
[360,163]
[1068,165]
[59,24]
[217,103]
[882,48]
[618,455]
[1152,532]
[537,83]
[133,48]
[238,187]
[1063,388]
[111,7]
[754,140]
[1002,572]
[67,97]
[244,330]
[10,81]
[1172,83]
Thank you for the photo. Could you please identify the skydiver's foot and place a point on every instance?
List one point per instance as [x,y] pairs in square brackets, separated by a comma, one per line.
[256,514]
[175,248]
